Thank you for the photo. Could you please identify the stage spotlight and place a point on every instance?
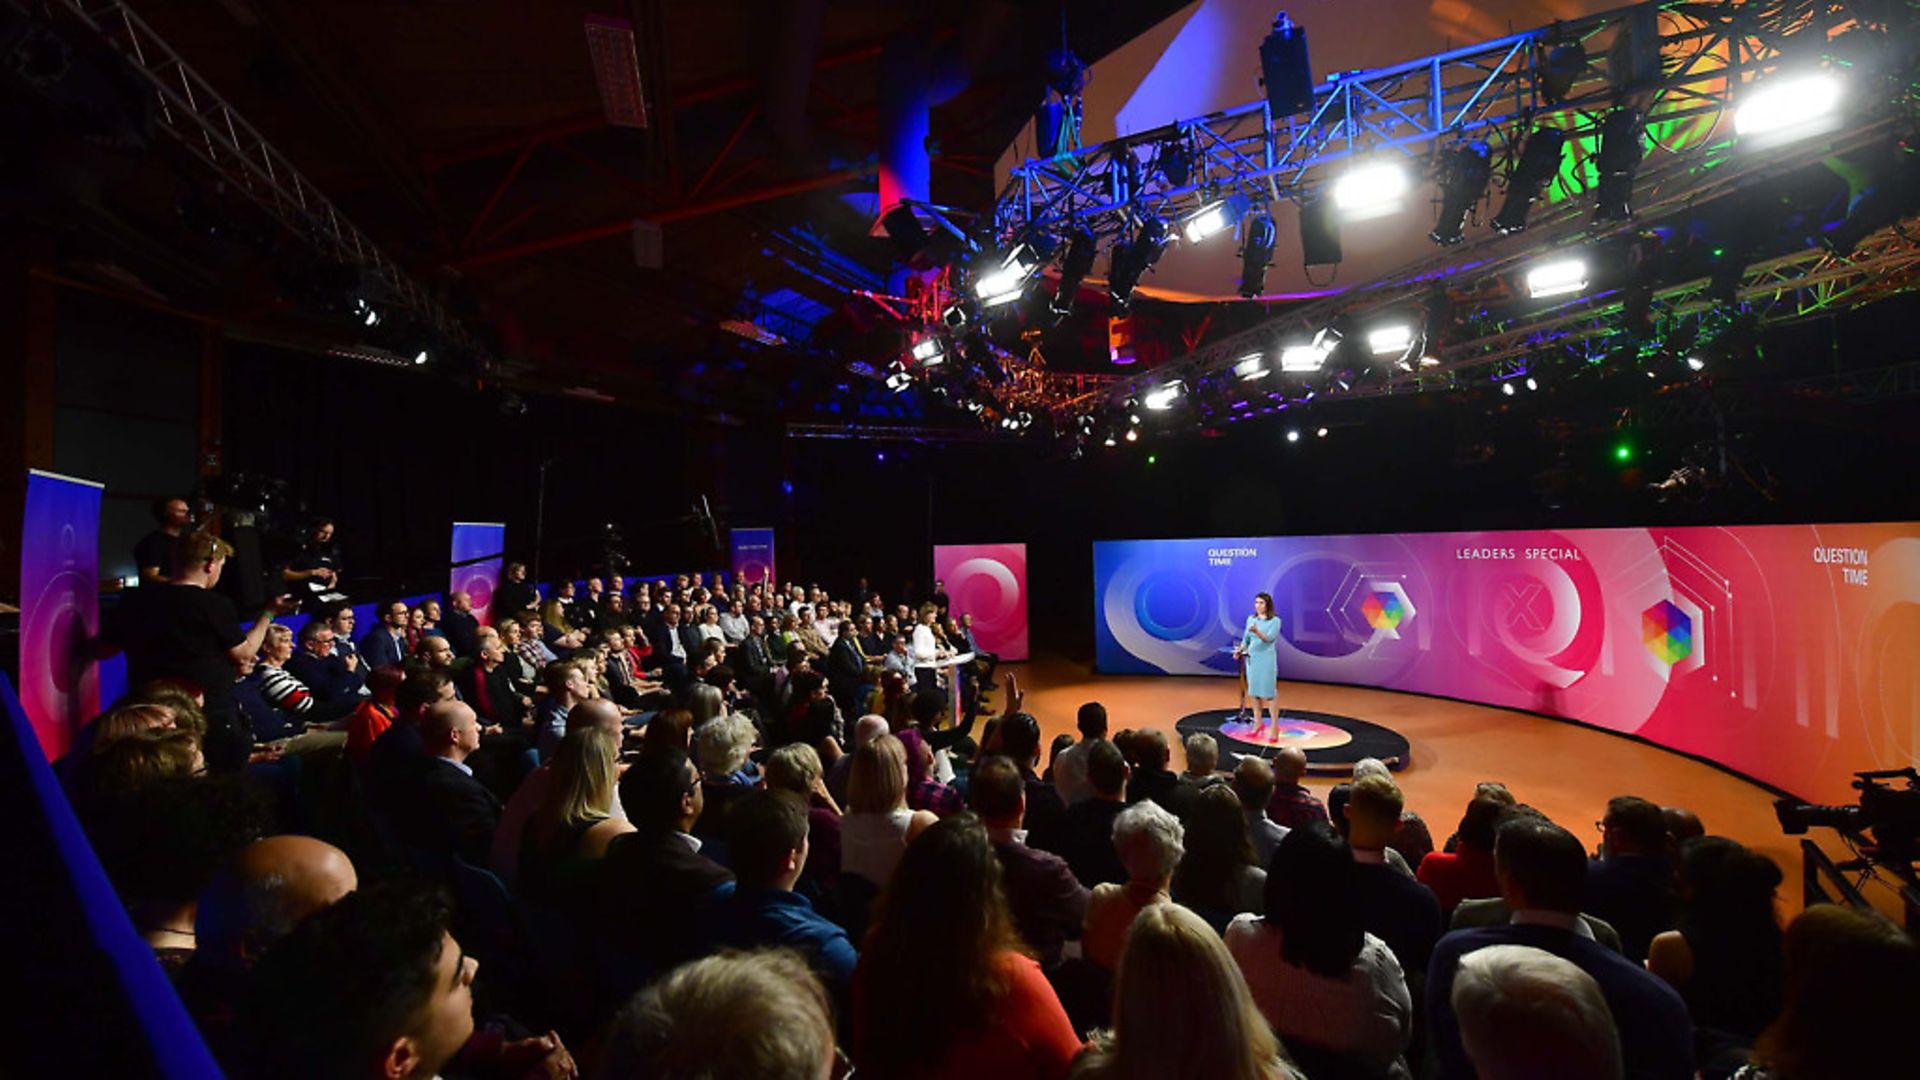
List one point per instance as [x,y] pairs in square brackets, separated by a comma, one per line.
[898,377]
[1559,69]
[1293,434]
[1175,159]
[1618,159]
[1132,258]
[1392,340]
[1557,278]
[1694,363]
[364,310]
[1783,109]
[929,352]
[1256,253]
[1074,266]
[1321,433]
[1539,164]
[421,358]
[1506,388]
[1531,384]
[1463,175]
[955,316]
[1133,435]
[1372,190]
[1299,358]
[1109,441]
[1251,366]
[1221,215]
[1162,398]
[1006,280]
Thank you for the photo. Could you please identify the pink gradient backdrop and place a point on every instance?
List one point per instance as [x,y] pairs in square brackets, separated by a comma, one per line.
[989,582]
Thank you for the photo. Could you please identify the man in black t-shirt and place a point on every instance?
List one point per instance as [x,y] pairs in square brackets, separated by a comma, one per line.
[182,630]
[153,555]
[513,595]
[314,574]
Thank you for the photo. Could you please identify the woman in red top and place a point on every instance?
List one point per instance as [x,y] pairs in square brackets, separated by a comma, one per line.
[1465,871]
[943,923]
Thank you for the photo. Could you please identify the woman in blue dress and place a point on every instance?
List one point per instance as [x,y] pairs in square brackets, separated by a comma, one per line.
[1262,665]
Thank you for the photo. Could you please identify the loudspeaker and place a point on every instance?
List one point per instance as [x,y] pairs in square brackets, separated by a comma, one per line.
[1285,69]
[1319,233]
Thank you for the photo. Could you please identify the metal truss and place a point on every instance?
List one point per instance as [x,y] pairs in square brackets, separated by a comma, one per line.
[1491,92]
[1852,387]
[200,120]
[913,433]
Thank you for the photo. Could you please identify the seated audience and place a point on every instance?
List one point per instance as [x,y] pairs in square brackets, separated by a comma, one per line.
[1203,761]
[1019,735]
[924,791]
[1049,905]
[945,911]
[455,813]
[569,831]
[723,746]
[1292,804]
[1069,771]
[566,687]
[1630,884]
[1086,829]
[1493,910]
[1541,871]
[1333,992]
[1393,906]
[279,686]
[737,1016]
[504,859]
[795,769]
[386,644]
[1181,1008]
[878,824]
[336,681]
[1150,778]
[375,713]
[1852,983]
[1253,786]
[460,625]
[487,686]
[1220,875]
[1150,843]
[1725,957]
[839,771]
[1526,1013]
[1465,869]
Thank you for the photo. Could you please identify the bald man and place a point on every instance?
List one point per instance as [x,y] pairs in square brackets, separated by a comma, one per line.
[457,813]
[505,856]
[1292,804]
[271,887]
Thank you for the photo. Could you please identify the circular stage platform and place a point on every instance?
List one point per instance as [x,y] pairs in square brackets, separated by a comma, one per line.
[1332,743]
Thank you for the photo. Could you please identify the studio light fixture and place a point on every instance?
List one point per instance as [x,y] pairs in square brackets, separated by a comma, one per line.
[929,352]
[421,357]
[1074,266]
[1218,216]
[1559,67]
[1008,278]
[1391,340]
[1783,109]
[1256,253]
[1557,277]
[1293,434]
[1531,384]
[1133,435]
[1251,366]
[364,310]
[1162,398]
[1371,190]
[1507,388]
[1320,433]
[1300,358]
[1695,363]
[1617,160]
[898,377]
[1539,164]
[1463,175]
[1132,258]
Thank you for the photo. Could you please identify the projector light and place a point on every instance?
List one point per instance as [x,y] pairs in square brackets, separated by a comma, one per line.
[1784,109]
[1557,278]
[1390,340]
[1161,399]
[1371,190]
[1302,358]
[1251,366]
[928,351]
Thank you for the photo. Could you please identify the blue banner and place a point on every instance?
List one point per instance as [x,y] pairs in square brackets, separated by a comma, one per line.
[486,542]
[752,555]
[59,606]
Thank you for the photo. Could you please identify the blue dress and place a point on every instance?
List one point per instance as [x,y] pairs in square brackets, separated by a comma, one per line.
[1263,668]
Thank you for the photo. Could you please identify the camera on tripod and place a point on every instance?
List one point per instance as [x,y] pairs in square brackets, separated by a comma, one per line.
[1891,814]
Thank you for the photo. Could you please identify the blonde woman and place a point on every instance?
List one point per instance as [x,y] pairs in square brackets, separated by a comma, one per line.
[878,824]
[1181,1009]
[570,831]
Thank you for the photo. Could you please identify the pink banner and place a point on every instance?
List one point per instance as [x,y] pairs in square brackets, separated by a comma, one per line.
[59,606]
[988,582]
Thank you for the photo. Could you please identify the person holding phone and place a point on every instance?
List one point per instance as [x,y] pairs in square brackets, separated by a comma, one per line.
[1261,662]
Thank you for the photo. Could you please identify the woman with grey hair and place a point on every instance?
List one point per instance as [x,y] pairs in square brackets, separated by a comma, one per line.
[1524,1012]
[721,747]
[1150,842]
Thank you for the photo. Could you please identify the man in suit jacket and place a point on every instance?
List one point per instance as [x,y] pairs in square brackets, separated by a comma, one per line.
[460,625]
[1048,903]
[656,878]
[336,682]
[846,670]
[386,644]
[1630,885]
[456,813]
[1542,869]
[1493,911]
[487,685]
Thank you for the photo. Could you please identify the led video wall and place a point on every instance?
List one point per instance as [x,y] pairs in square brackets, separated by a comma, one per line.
[1787,653]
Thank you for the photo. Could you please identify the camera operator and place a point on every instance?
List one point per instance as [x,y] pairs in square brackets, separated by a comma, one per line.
[314,573]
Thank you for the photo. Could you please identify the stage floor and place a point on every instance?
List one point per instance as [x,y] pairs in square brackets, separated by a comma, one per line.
[1565,770]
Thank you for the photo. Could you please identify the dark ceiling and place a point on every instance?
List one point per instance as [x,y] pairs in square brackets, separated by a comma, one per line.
[468,138]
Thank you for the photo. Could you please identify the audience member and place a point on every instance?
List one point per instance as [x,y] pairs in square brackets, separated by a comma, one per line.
[723,746]
[1070,765]
[337,682]
[945,911]
[1086,829]
[1220,875]
[1253,786]
[737,1016]
[1019,736]
[375,713]
[841,770]
[924,790]
[1048,903]
[456,813]
[1203,761]
[461,625]
[1526,1013]
[1150,777]
[1852,985]
[570,830]
[504,859]
[1629,885]
[1466,870]
[487,687]
[386,644]
[1292,804]
[795,769]
[566,688]
[1149,843]
[656,877]
[878,826]
[153,555]
[1393,906]
[1333,992]
[1181,1008]
[1541,871]
[513,597]
[1725,958]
